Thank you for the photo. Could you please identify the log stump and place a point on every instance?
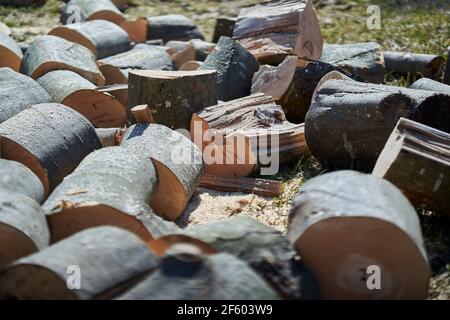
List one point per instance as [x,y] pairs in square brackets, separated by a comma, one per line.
[344,224]
[172,27]
[10,52]
[85,10]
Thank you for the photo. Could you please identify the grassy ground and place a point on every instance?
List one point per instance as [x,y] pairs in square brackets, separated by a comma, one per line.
[410,25]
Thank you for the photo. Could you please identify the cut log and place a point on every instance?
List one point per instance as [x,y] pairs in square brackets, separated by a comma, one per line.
[10,52]
[224,28]
[235,68]
[23,228]
[110,137]
[201,49]
[172,27]
[430,85]
[142,114]
[111,186]
[447,68]
[22,3]
[179,168]
[416,159]
[118,91]
[428,65]
[142,57]
[48,53]
[17,178]
[186,274]
[289,23]
[293,87]
[184,52]
[72,90]
[102,37]
[361,59]
[173,96]
[191,66]
[136,29]
[270,188]
[5,29]
[238,136]
[56,140]
[266,51]
[18,92]
[102,261]
[349,122]
[349,227]
[84,10]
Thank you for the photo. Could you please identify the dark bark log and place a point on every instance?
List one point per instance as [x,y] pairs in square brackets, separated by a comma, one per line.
[416,159]
[178,163]
[172,27]
[361,59]
[143,57]
[102,37]
[110,261]
[72,90]
[289,23]
[112,186]
[447,69]
[23,228]
[191,66]
[341,223]
[49,53]
[110,137]
[292,87]
[173,96]
[224,28]
[186,274]
[266,51]
[85,10]
[50,139]
[349,122]
[22,3]
[235,68]
[17,178]
[428,65]
[18,92]
[430,85]
[10,52]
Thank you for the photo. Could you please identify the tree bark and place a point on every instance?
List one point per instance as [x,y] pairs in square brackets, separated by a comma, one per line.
[86,10]
[50,139]
[172,27]
[224,28]
[416,159]
[173,96]
[428,65]
[110,261]
[49,53]
[430,85]
[10,52]
[343,222]
[72,90]
[235,68]
[19,92]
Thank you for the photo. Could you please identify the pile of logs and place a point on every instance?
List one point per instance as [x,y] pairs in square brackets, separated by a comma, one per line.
[109,126]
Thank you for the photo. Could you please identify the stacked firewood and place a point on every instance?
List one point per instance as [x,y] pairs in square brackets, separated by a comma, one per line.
[108,126]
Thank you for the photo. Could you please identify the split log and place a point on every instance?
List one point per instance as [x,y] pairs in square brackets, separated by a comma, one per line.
[22,3]
[108,261]
[178,163]
[195,49]
[237,137]
[289,23]
[184,52]
[361,59]
[416,159]
[428,65]
[142,114]
[23,228]
[56,140]
[141,57]
[266,51]
[173,96]
[110,137]
[111,186]
[344,222]
[224,28]
[191,66]
[18,92]
[349,122]
[17,178]
[186,274]
[5,29]
[447,69]
[72,90]
[430,85]
[270,188]
[84,10]
[293,87]
[172,27]
[48,53]
[235,68]
[136,29]
[10,52]
[102,37]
